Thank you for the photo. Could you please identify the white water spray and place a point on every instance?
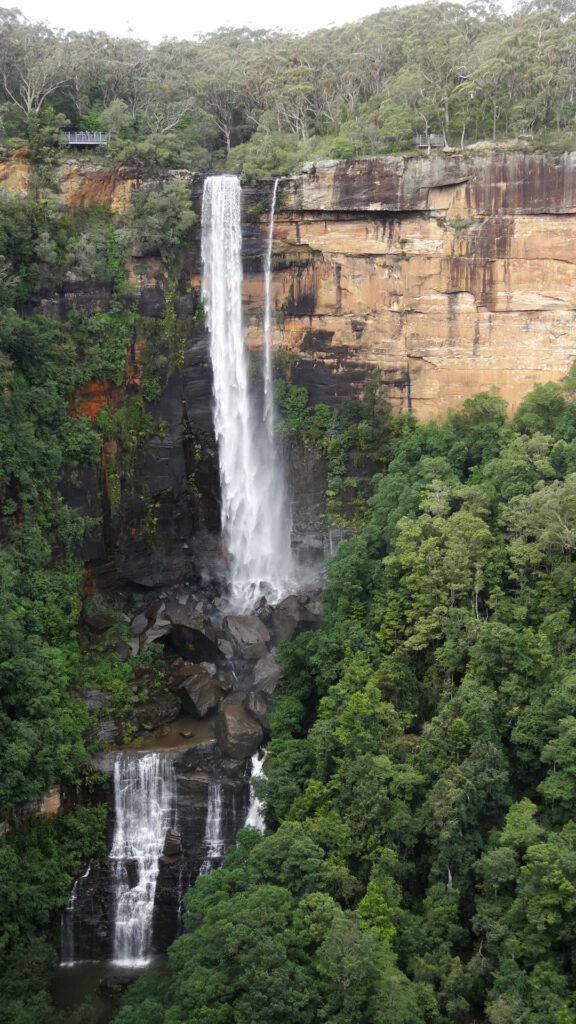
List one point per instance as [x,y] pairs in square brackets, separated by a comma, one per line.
[255,524]
[144,802]
[68,944]
[213,835]
[255,816]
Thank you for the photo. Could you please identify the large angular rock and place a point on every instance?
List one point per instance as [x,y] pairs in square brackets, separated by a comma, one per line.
[98,618]
[208,758]
[267,674]
[160,628]
[195,641]
[257,705]
[249,634]
[188,616]
[157,711]
[238,733]
[291,617]
[200,692]
[138,624]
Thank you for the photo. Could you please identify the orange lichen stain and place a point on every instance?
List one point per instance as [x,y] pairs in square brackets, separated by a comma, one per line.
[88,400]
[90,585]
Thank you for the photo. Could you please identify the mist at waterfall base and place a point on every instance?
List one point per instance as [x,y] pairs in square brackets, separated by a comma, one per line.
[255,519]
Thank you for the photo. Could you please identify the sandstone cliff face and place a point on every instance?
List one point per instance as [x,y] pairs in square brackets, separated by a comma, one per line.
[448,274]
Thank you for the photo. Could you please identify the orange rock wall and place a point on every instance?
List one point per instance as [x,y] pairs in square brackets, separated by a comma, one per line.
[450,275]
[79,183]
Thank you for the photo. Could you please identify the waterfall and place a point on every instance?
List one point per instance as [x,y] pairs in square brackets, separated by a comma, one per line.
[255,816]
[255,523]
[144,801]
[68,956]
[268,374]
[213,836]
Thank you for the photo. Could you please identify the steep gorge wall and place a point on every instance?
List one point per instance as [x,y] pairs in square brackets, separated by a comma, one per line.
[449,274]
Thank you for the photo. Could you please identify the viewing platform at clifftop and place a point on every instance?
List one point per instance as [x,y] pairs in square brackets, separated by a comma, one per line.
[86,138]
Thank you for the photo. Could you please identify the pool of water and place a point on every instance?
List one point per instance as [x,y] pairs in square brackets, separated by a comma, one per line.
[98,984]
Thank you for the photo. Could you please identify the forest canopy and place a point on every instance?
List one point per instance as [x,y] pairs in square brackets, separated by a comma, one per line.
[259,102]
[420,862]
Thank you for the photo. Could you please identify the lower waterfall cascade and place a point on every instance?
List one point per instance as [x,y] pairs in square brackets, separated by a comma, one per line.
[145,808]
[168,828]
[255,816]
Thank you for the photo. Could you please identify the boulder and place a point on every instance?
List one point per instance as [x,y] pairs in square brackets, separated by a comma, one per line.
[208,758]
[200,692]
[180,669]
[267,673]
[98,618]
[138,624]
[195,644]
[158,711]
[291,617]
[161,627]
[249,634]
[107,731]
[257,705]
[189,616]
[226,648]
[238,733]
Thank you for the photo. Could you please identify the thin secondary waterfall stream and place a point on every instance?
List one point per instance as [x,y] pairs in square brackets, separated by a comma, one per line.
[213,836]
[268,370]
[144,799]
[255,522]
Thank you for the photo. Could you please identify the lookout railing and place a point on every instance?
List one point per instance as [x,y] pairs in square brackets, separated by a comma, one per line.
[86,138]
[436,140]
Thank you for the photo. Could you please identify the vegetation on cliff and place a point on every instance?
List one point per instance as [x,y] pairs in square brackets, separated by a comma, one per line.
[49,353]
[420,793]
[259,102]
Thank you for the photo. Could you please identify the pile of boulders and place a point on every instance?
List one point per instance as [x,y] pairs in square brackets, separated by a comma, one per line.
[221,666]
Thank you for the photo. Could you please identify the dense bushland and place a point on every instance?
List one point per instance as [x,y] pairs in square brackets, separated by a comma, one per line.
[260,102]
[46,663]
[421,858]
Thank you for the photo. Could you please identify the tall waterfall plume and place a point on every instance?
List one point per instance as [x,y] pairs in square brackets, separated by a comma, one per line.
[255,521]
[144,804]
